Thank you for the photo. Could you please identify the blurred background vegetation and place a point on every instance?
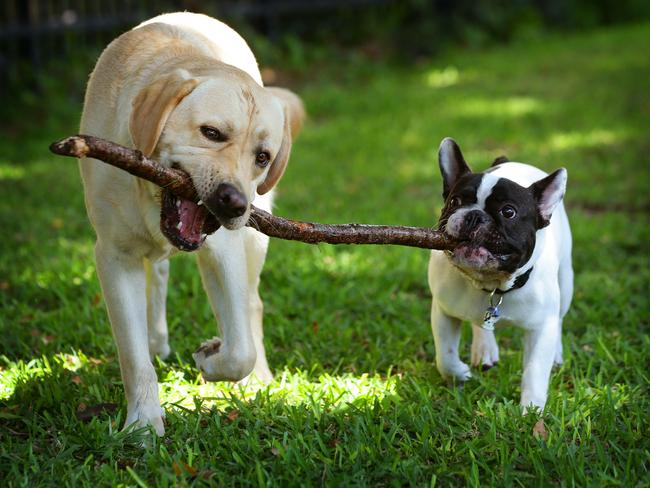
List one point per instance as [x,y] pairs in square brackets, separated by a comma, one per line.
[48,47]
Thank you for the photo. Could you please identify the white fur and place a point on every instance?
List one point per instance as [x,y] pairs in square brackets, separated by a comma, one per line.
[485,189]
[538,307]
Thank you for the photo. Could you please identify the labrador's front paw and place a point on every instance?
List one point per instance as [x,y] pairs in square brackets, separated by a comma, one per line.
[485,351]
[207,349]
[220,363]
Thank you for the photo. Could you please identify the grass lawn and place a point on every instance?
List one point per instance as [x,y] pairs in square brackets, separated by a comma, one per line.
[357,399]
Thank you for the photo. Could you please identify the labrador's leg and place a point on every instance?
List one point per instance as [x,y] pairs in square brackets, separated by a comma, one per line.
[256,245]
[222,262]
[446,336]
[540,349]
[123,282]
[157,276]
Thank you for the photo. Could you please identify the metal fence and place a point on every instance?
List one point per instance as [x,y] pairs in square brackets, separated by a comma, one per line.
[34,32]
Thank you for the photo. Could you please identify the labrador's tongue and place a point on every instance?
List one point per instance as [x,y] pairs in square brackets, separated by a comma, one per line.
[191,219]
[181,221]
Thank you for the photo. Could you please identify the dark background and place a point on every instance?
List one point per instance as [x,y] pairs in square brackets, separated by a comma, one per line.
[42,39]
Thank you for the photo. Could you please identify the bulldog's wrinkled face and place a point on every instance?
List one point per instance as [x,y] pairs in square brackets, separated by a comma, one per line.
[226,136]
[494,219]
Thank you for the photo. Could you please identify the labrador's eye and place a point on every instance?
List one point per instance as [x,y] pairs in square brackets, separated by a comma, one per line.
[262,159]
[455,202]
[212,133]
[508,211]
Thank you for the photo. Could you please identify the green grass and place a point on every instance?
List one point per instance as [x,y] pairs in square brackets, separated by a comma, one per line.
[356,400]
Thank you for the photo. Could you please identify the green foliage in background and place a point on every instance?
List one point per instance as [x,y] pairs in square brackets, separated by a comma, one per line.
[299,35]
[356,400]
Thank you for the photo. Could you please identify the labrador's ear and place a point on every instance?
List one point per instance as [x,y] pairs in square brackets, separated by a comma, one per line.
[293,107]
[294,116]
[279,164]
[153,105]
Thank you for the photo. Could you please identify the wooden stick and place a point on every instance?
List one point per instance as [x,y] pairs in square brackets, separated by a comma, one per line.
[180,183]
[130,160]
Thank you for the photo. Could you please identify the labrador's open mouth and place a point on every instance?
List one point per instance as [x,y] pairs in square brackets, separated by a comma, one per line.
[184,223]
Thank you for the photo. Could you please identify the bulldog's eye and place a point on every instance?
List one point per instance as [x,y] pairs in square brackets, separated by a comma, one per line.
[212,133]
[262,159]
[508,211]
[455,202]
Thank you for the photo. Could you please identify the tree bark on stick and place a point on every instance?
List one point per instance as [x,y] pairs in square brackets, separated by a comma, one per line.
[180,183]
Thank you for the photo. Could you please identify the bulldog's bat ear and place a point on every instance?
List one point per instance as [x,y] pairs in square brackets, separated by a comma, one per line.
[452,164]
[500,160]
[548,192]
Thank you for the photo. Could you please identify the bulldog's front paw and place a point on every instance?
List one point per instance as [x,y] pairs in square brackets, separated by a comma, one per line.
[558,360]
[454,370]
[146,415]
[485,351]
[217,362]
[531,402]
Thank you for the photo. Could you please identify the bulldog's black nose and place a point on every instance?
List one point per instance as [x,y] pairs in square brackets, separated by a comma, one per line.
[472,220]
[227,201]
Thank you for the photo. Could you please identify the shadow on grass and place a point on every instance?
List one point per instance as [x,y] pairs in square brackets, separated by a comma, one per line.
[330,417]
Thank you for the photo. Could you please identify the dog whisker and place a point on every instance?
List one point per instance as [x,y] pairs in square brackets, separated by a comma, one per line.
[254,224]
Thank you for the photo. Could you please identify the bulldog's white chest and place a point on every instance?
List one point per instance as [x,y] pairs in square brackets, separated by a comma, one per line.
[454,294]
[525,307]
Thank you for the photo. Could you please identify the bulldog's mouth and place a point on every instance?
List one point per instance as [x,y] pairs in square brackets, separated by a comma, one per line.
[472,255]
[184,223]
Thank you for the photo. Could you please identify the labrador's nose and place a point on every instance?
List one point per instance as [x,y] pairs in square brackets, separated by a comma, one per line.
[227,201]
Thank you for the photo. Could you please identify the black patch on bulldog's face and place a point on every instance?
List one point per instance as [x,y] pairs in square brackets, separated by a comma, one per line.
[513,237]
[464,190]
[510,240]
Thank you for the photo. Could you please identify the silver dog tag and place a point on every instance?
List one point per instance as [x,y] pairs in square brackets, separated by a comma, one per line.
[490,318]
[492,314]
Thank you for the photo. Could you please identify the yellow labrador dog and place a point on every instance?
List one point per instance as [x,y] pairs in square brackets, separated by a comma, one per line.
[185,89]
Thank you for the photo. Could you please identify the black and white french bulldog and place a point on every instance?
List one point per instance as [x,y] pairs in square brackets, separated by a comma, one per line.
[512,266]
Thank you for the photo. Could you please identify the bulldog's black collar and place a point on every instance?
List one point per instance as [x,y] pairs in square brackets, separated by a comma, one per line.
[520,281]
